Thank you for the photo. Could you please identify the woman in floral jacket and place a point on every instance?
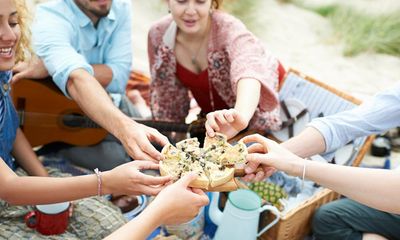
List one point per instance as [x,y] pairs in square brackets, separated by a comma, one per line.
[210,53]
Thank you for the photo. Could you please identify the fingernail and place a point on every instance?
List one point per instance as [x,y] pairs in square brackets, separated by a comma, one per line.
[247,169]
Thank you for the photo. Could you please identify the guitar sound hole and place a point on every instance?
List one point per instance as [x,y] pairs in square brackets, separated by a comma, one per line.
[74,120]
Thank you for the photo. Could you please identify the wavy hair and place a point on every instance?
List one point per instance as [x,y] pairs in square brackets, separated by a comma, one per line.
[24,49]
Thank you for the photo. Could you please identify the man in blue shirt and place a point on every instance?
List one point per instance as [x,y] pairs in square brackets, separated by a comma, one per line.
[345,218]
[86,47]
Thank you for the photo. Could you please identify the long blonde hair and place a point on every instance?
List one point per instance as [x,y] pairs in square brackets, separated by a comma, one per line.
[24,50]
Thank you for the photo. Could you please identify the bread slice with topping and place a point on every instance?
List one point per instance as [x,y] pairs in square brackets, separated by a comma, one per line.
[219,140]
[218,174]
[171,153]
[234,154]
[213,163]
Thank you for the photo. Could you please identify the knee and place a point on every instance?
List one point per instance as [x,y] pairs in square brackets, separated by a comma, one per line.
[323,220]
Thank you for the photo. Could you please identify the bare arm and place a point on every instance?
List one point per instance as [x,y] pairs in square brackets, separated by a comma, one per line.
[94,101]
[103,74]
[26,158]
[35,69]
[308,143]
[247,97]
[124,179]
[231,122]
[374,187]
[175,204]
[38,190]
[140,227]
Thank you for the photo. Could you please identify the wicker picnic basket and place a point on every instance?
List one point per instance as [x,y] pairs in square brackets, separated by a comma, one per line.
[296,224]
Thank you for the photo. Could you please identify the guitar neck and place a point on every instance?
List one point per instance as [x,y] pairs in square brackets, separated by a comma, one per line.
[85,122]
[165,126]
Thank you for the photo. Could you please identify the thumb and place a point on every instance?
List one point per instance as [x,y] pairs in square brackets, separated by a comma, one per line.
[16,77]
[187,179]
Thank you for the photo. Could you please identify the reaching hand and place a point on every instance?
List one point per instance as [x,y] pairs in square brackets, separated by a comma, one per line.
[227,121]
[179,203]
[136,140]
[269,154]
[33,69]
[127,179]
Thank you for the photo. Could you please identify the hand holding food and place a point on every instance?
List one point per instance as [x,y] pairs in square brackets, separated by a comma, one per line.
[214,164]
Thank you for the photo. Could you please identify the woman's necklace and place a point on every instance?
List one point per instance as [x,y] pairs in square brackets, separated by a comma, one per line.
[194,60]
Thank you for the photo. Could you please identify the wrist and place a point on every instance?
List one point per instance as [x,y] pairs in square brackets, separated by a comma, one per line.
[106,183]
[296,167]
[123,125]
[244,118]
[156,213]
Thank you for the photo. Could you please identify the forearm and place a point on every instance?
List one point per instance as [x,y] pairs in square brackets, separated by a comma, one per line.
[247,97]
[26,157]
[103,74]
[308,143]
[376,188]
[95,102]
[39,190]
[140,227]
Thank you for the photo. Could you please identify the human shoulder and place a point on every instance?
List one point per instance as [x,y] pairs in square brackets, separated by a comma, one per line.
[61,16]
[122,6]
[158,29]
[225,20]
[56,7]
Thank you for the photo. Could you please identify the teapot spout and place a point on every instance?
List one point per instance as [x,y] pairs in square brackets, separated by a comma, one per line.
[214,212]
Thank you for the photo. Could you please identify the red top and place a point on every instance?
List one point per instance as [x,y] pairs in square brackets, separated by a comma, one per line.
[281,73]
[198,85]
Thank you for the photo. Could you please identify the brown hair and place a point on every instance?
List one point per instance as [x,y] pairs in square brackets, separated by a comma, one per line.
[24,49]
[216,4]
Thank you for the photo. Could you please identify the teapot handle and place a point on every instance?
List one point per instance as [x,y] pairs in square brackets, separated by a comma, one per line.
[275,211]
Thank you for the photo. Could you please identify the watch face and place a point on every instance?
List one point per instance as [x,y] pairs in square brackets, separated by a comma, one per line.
[294,107]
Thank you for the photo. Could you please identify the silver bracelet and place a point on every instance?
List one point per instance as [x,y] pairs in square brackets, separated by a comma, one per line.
[98,174]
[304,174]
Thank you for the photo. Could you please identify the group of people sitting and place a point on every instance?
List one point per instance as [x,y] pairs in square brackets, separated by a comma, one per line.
[196,51]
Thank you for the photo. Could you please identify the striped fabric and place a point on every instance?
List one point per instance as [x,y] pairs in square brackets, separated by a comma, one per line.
[319,101]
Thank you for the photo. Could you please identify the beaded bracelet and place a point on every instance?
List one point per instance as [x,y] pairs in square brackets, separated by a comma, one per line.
[98,174]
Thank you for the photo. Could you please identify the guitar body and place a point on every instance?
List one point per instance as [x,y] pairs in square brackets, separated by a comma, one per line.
[42,106]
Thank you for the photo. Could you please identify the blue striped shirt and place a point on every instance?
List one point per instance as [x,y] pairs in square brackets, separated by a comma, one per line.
[379,114]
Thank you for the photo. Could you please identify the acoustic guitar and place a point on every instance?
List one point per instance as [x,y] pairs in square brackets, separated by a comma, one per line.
[46,115]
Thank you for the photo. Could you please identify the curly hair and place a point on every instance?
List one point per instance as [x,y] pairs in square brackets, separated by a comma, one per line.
[24,49]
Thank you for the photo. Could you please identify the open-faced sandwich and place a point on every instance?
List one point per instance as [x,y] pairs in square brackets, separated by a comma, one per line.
[214,163]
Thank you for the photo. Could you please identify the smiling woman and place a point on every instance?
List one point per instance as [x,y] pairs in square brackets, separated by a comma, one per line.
[10,34]
[95,217]
[212,54]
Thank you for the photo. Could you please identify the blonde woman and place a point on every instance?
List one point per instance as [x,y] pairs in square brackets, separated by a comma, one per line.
[176,203]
